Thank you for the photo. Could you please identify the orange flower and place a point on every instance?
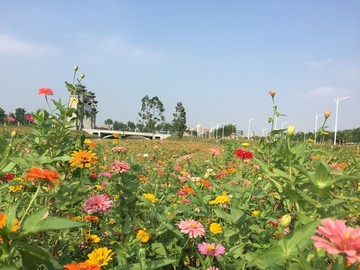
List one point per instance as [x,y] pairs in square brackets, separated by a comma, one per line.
[207,184]
[83,159]
[91,218]
[81,266]
[3,218]
[188,190]
[42,174]
[116,136]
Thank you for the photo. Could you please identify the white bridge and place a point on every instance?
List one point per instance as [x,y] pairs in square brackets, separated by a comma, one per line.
[105,134]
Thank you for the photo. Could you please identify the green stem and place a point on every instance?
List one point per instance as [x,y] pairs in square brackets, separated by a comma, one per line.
[31,202]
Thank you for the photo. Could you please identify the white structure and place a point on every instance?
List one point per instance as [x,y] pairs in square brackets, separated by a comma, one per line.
[336,115]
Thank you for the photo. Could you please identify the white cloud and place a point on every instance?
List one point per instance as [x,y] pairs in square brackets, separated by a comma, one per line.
[319,64]
[117,46]
[327,91]
[10,45]
[352,73]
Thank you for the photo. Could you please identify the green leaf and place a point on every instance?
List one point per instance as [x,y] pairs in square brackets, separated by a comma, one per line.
[33,255]
[222,214]
[36,223]
[159,248]
[322,173]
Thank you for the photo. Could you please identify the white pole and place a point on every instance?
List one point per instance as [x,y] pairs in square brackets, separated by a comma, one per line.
[336,115]
[282,124]
[249,127]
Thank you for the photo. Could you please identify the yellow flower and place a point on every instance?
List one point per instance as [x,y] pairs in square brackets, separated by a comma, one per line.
[150,197]
[99,187]
[325,133]
[15,188]
[74,100]
[143,236]
[111,221]
[83,159]
[100,256]
[310,140]
[285,221]
[221,199]
[327,114]
[245,144]
[290,130]
[255,213]
[92,238]
[215,228]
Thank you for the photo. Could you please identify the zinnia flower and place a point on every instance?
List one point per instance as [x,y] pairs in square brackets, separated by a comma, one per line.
[211,249]
[143,236]
[150,197]
[120,166]
[81,266]
[336,238]
[3,218]
[243,154]
[45,91]
[100,256]
[192,228]
[272,93]
[255,213]
[83,158]
[215,228]
[221,199]
[42,174]
[327,114]
[98,204]
[119,149]
[92,238]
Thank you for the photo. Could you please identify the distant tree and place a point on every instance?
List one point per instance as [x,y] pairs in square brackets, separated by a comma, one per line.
[139,127]
[179,121]
[108,122]
[151,113]
[2,116]
[20,116]
[119,125]
[167,127]
[131,125]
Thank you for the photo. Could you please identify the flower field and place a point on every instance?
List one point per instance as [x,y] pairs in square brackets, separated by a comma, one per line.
[68,202]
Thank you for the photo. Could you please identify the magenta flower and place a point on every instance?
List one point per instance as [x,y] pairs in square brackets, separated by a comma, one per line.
[211,249]
[337,238]
[98,204]
[242,154]
[212,268]
[11,119]
[192,228]
[120,166]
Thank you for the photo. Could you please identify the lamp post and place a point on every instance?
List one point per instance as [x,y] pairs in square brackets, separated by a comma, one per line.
[336,115]
[251,119]
[282,124]
[316,121]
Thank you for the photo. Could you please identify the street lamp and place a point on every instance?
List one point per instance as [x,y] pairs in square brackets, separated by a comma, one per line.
[316,121]
[336,114]
[251,119]
[282,124]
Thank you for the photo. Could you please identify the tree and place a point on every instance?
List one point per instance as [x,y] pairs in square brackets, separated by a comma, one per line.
[151,113]
[108,122]
[20,116]
[179,121]
[119,125]
[2,116]
[131,125]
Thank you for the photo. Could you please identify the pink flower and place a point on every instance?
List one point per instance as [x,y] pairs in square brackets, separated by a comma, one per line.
[337,238]
[120,166]
[243,154]
[186,201]
[212,268]
[192,228]
[119,149]
[11,119]
[211,249]
[214,151]
[98,204]
[45,91]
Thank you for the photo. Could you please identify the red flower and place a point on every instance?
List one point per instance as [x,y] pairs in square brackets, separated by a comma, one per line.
[243,154]
[8,176]
[45,91]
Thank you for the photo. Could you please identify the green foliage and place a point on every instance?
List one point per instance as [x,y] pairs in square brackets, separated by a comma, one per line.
[151,113]
[179,121]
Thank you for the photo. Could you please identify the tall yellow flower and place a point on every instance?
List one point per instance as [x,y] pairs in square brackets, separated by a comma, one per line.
[100,256]
[215,228]
[143,236]
[151,197]
[83,158]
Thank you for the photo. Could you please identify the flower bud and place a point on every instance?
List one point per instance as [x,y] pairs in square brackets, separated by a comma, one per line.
[272,93]
[285,221]
[13,134]
[327,114]
[82,75]
[76,68]
[290,130]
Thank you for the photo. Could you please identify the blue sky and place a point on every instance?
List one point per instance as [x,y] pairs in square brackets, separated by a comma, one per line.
[219,58]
